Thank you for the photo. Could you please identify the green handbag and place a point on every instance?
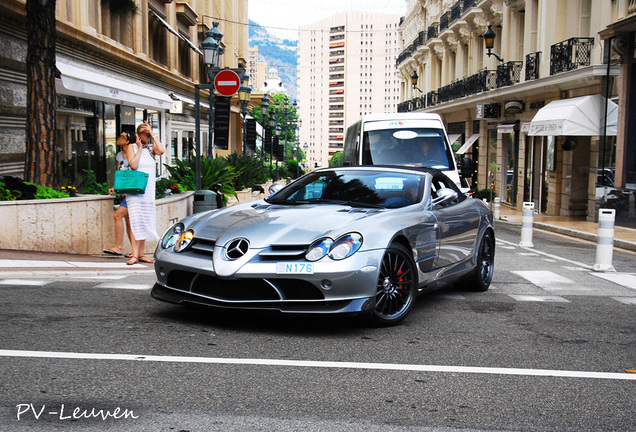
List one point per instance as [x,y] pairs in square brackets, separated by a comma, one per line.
[130,182]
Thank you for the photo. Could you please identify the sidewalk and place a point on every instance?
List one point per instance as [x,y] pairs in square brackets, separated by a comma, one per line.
[20,263]
[624,238]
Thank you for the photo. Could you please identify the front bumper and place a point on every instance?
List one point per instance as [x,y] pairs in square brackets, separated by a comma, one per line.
[347,286]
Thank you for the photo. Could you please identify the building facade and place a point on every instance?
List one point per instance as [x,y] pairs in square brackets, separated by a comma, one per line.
[257,69]
[346,68]
[115,71]
[512,108]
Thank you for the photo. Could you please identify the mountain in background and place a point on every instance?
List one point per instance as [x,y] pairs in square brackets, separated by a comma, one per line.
[277,53]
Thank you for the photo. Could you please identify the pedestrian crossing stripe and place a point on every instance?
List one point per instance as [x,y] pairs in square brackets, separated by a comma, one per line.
[628,280]
[535,298]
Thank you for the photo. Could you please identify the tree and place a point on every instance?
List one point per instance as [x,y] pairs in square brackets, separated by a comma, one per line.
[41,156]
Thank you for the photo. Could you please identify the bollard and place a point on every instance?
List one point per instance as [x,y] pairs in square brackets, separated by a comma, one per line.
[497,211]
[605,240]
[527,220]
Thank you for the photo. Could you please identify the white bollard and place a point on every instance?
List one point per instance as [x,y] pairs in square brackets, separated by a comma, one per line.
[605,240]
[527,220]
[497,210]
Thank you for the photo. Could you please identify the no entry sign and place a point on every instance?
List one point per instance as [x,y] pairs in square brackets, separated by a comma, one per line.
[227,82]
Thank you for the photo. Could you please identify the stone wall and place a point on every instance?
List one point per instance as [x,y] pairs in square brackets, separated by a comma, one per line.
[81,225]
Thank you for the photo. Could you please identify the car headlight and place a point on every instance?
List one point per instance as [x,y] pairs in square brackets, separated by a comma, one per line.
[318,249]
[345,246]
[184,241]
[171,236]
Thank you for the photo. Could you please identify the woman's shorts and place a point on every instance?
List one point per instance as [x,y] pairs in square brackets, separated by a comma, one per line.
[123,202]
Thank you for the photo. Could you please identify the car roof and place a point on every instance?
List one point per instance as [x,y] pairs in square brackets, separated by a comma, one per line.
[386,168]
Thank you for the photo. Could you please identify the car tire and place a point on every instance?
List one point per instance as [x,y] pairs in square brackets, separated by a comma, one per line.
[482,276]
[396,287]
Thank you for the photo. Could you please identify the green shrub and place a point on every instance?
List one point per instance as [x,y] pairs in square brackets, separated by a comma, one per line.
[213,171]
[49,193]
[90,185]
[336,160]
[249,170]
[483,194]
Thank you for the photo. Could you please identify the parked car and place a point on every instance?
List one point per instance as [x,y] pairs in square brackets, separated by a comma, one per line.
[364,240]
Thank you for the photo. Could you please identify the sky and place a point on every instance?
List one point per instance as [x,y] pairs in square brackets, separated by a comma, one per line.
[283,17]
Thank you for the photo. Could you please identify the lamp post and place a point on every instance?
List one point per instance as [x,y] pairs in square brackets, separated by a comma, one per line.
[264,108]
[244,98]
[489,40]
[212,52]
[272,126]
[278,131]
[414,78]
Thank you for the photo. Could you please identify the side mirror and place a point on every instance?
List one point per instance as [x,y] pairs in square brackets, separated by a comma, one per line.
[467,168]
[274,188]
[444,196]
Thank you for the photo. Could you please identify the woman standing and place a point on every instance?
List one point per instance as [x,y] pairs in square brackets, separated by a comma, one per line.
[141,208]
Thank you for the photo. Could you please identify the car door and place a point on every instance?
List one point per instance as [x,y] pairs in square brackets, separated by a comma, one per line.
[458,224]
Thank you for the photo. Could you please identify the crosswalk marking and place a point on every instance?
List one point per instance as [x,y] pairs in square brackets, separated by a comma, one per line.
[547,280]
[626,300]
[628,280]
[24,282]
[139,287]
[535,298]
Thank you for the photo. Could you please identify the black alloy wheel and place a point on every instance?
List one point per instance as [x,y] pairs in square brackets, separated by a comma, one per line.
[396,287]
[485,264]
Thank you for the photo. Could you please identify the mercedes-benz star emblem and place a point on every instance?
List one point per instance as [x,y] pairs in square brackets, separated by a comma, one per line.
[236,248]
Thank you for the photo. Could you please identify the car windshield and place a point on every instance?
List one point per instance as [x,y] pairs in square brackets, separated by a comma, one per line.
[354,188]
[419,147]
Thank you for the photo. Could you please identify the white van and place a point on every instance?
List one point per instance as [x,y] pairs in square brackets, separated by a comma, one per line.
[403,139]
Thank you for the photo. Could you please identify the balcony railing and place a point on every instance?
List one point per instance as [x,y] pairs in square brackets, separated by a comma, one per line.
[468,4]
[432,32]
[456,11]
[570,54]
[444,21]
[509,73]
[532,66]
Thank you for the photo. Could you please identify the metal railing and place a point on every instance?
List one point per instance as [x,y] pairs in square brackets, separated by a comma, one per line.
[444,21]
[532,65]
[570,54]
[456,11]
[432,32]
[509,73]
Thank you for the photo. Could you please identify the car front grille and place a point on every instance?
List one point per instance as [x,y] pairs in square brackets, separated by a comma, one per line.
[249,289]
[283,252]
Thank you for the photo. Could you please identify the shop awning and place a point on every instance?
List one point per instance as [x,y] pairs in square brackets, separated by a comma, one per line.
[463,149]
[453,137]
[580,116]
[80,82]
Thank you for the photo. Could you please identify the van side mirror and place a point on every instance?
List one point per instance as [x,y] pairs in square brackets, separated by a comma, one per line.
[466,169]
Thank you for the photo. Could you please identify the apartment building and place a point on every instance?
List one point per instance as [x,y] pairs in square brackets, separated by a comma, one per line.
[346,68]
[115,71]
[257,69]
[538,112]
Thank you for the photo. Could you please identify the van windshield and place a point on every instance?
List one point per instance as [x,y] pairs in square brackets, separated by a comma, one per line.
[417,147]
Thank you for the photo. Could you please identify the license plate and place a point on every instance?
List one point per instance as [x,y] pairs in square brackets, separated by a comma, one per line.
[294,268]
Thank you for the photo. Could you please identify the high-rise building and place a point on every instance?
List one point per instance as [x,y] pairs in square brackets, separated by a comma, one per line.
[346,68]
[257,69]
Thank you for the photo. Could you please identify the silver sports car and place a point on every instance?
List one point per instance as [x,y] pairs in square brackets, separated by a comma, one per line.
[361,240]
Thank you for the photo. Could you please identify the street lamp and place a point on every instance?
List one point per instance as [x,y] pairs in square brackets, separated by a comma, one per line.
[278,131]
[272,125]
[244,97]
[414,78]
[489,40]
[264,108]
[212,51]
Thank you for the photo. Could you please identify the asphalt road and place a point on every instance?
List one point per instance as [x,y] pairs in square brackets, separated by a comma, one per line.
[554,341]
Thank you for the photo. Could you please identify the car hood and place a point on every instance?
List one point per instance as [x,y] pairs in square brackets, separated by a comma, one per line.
[264,224]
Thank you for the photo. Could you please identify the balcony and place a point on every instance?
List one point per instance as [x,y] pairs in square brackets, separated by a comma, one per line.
[444,21]
[509,73]
[532,66]
[456,11]
[570,54]
[432,32]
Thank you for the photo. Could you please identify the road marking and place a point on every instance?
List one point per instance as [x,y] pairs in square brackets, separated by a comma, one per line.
[533,298]
[547,280]
[24,282]
[556,257]
[527,254]
[449,296]
[628,280]
[626,300]
[322,364]
[13,264]
[139,287]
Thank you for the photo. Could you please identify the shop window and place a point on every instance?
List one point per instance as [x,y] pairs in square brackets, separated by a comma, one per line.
[185,57]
